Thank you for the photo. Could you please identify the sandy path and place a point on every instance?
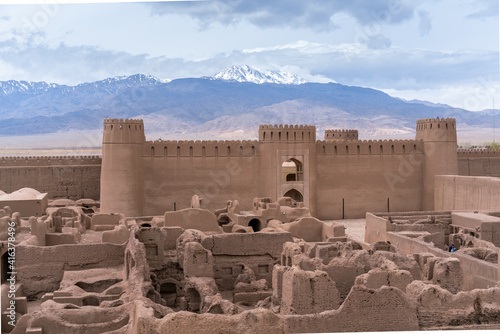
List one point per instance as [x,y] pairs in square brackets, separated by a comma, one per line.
[355,228]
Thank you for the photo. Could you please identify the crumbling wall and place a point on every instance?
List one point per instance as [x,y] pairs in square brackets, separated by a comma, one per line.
[344,262]
[364,310]
[305,292]
[483,226]
[379,224]
[377,278]
[152,239]
[58,318]
[477,274]
[200,293]
[313,230]
[191,218]
[438,307]
[105,221]
[259,251]
[118,235]
[41,269]
[255,321]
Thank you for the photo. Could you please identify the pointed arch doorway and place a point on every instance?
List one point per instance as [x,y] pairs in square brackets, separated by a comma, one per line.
[295,195]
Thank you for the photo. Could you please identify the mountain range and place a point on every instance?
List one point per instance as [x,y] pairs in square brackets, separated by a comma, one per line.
[228,105]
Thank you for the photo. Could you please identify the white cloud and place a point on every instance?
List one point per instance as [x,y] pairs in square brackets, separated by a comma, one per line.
[307,47]
[477,96]
[378,41]
[487,8]
[440,76]
[313,14]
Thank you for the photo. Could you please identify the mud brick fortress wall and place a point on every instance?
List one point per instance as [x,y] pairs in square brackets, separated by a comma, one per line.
[60,177]
[334,178]
[475,162]
[339,177]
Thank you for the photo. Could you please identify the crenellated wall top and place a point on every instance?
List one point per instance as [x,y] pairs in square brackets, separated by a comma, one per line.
[123,121]
[201,142]
[478,152]
[49,160]
[340,130]
[376,141]
[369,147]
[287,127]
[436,120]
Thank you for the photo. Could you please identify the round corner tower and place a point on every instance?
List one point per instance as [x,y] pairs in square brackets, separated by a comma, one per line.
[343,134]
[440,153]
[122,174]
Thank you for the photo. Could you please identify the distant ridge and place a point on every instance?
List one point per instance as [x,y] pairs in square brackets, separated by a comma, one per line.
[228,105]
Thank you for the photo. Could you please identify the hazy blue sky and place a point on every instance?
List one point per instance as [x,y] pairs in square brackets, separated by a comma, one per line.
[441,50]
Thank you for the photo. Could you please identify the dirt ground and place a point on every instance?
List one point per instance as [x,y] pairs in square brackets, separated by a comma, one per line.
[355,228]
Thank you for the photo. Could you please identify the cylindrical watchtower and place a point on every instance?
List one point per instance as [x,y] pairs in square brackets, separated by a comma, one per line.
[122,174]
[440,153]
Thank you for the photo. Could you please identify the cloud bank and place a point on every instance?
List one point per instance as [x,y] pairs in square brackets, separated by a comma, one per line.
[314,14]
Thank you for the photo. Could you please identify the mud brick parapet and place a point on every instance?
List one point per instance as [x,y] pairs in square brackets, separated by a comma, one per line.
[341,134]
[287,133]
[42,161]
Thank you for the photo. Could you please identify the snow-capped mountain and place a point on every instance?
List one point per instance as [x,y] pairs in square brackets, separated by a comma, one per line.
[126,81]
[13,86]
[109,84]
[214,107]
[245,73]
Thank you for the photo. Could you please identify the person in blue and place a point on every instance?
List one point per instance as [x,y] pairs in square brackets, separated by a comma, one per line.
[452,248]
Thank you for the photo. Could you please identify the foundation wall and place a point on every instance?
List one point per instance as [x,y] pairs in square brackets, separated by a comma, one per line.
[466,193]
[60,177]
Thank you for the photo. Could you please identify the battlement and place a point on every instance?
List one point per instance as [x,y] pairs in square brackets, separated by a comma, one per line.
[287,133]
[286,126]
[436,120]
[40,161]
[369,147]
[340,130]
[436,129]
[198,148]
[341,134]
[119,131]
[122,121]
[478,152]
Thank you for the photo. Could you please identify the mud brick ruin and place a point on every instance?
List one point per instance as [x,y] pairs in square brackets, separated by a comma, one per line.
[253,236]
